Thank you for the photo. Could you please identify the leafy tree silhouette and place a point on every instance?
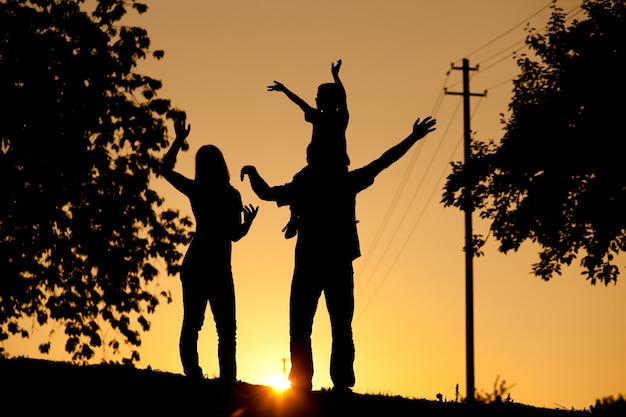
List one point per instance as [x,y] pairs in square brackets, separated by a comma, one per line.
[557,176]
[80,136]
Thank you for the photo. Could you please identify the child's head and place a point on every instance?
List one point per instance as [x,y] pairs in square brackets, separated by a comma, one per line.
[211,166]
[328,96]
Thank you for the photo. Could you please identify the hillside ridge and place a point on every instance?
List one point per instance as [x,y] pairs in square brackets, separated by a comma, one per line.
[36,385]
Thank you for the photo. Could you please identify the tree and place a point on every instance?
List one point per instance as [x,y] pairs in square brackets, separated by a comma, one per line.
[557,176]
[81,132]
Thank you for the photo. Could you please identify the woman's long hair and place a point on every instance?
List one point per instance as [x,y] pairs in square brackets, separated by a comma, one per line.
[211,169]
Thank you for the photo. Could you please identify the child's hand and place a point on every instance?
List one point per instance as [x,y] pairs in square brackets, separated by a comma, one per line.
[334,69]
[276,87]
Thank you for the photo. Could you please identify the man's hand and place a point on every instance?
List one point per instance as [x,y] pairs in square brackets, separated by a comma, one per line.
[248,170]
[422,128]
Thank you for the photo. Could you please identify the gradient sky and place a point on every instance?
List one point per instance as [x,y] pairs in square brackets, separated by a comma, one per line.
[560,343]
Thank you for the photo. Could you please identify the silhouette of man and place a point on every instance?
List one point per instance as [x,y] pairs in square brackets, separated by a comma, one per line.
[327,244]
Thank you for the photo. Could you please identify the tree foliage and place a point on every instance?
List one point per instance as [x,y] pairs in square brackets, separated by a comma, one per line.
[80,137]
[557,176]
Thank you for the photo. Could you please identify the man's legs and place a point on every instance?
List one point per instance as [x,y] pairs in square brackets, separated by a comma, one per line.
[339,294]
[302,305]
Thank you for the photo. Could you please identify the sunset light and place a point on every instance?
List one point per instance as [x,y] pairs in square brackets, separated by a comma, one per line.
[404,299]
[278,382]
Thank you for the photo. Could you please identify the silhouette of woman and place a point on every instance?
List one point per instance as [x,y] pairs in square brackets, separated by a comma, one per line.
[206,273]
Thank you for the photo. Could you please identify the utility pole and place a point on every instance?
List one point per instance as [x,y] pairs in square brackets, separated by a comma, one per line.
[468,207]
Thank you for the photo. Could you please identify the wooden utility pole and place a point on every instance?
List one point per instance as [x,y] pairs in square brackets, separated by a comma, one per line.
[469,247]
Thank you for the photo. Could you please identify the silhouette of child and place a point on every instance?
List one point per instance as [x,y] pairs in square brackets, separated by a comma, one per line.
[206,273]
[327,149]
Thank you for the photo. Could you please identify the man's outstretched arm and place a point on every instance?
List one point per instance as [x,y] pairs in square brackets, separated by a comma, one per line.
[420,129]
[258,184]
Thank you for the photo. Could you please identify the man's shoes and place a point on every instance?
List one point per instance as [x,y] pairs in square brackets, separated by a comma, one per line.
[301,387]
[342,390]
[194,374]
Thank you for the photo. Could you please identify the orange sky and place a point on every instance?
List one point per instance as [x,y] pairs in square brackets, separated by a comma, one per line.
[561,343]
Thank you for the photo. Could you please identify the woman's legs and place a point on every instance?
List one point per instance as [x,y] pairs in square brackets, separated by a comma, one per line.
[194,306]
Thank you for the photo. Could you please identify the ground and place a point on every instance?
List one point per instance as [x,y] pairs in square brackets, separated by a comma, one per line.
[31,386]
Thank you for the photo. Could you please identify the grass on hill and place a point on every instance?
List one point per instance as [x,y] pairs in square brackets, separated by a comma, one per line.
[32,386]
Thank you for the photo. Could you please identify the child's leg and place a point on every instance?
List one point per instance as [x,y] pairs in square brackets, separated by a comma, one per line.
[291,228]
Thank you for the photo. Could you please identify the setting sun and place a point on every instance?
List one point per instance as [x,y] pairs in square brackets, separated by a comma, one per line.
[278,382]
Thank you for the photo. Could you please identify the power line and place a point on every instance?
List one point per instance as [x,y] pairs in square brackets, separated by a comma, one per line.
[570,15]
[509,30]
[505,50]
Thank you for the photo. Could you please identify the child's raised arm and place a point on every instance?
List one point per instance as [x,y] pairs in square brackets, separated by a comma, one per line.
[292,96]
[334,69]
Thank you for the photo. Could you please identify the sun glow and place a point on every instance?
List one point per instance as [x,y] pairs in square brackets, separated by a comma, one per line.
[278,382]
